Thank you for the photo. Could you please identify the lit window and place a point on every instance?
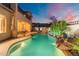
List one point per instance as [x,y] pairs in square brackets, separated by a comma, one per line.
[2,24]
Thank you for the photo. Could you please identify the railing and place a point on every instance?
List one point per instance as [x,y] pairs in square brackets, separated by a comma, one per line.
[73,23]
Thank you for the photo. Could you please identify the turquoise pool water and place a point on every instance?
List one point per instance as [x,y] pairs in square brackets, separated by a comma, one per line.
[37,45]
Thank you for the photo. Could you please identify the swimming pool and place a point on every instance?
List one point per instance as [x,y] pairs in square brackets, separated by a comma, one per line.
[37,45]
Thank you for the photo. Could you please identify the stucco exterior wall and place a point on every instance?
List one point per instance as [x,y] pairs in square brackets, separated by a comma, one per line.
[21,21]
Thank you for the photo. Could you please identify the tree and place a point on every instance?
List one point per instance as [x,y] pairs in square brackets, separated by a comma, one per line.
[53,18]
[58,27]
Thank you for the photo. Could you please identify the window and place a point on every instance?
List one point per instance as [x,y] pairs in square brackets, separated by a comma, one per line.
[2,24]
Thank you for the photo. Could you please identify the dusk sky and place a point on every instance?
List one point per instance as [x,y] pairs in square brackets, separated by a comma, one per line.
[43,11]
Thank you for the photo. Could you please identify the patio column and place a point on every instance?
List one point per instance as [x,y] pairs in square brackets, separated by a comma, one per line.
[14,24]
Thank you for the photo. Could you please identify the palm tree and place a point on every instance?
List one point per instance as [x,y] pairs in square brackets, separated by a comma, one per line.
[58,27]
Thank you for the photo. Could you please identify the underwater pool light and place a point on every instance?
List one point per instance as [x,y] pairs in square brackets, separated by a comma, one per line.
[22,44]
